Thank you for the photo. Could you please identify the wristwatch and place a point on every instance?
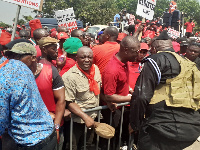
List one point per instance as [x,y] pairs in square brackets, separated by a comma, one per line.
[57,127]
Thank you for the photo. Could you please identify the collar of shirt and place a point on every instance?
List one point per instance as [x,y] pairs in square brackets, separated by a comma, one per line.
[119,62]
[109,42]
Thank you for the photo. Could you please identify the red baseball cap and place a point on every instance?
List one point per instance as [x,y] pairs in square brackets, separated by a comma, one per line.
[144,46]
[62,35]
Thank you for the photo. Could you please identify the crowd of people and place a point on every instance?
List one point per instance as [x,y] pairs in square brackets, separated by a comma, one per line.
[49,76]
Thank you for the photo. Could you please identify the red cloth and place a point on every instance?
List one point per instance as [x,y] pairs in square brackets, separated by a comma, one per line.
[69,64]
[34,24]
[44,83]
[121,36]
[39,53]
[94,87]
[149,33]
[60,52]
[5,38]
[176,46]
[134,72]
[54,34]
[115,79]
[103,53]
[189,26]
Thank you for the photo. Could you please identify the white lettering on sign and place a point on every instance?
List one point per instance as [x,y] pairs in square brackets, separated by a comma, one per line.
[34,4]
[145,8]
[66,18]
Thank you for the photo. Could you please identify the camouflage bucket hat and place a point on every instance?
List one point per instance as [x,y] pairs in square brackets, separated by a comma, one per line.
[24,48]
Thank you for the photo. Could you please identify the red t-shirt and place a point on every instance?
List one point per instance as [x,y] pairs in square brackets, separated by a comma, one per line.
[115,78]
[69,64]
[60,52]
[149,33]
[103,53]
[176,46]
[38,51]
[134,72]
[189,26]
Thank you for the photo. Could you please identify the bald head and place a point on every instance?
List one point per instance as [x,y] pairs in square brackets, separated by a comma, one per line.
[63,29]
[84,49]
[129,48]
[110,34]
[39,33]
[84,58]
[76,33]
[24,34]
[129,41]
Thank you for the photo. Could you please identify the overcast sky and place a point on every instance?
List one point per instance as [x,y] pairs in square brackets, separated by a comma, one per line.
[8,12]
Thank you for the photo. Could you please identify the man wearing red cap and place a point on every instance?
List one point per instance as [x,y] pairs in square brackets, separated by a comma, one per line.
[62,36]
[135,67]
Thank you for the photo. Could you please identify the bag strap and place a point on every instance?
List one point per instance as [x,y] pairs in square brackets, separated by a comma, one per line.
[4,63]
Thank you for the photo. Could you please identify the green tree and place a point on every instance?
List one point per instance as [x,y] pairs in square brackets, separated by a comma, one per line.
[161,5]
[192,10]
[2,24]
[20,21]
[28,18]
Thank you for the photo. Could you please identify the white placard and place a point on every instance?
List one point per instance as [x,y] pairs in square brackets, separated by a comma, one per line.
[34,4]
[173,33]
[145,8]
[66,18]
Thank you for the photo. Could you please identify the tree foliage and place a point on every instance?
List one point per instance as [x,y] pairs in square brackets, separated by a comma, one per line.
[103,11]
[2,24]
[192,10]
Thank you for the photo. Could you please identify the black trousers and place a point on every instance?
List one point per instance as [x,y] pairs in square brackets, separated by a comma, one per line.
[116,118]
[77,136]
[188,34]
[149,140]
[48,143]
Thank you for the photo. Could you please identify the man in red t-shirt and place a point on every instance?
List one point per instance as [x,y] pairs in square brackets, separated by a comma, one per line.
[115,82]
[62,36]
[103,53]
[136,67]
[189,28]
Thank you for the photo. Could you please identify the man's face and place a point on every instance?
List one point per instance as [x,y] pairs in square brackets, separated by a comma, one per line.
[142,53]
[192,52]
[87,39]
[27,59]
[132,53]
[51,51]
[85,59]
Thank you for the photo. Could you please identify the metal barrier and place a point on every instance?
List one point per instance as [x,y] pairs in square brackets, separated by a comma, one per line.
[99,108]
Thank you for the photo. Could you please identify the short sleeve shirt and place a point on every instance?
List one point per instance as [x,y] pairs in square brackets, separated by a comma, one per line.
[115,79]
[77,90]
[189,26]
[103,53]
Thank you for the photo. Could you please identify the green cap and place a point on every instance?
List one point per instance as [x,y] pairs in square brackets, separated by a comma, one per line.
[24,48]
[72,44]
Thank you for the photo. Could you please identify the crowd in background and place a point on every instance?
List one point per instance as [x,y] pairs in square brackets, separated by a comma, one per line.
[48,75]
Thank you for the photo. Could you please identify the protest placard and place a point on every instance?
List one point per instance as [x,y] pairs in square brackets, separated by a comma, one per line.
[66,18]
[34,4]
[173,33]
[145,8]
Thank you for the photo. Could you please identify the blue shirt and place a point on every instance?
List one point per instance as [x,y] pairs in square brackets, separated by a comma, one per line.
[115,17]
[22,109]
